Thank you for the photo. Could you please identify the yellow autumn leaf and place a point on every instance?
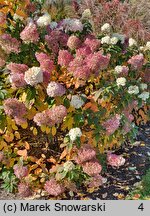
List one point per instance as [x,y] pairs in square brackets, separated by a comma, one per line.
[24,125]
[54,130]
[43,128]
[3,144]
[48,130]
[8,136]
[35,132]
[17,135]
[23,97]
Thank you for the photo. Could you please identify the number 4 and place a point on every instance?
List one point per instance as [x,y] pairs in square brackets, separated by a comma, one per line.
[141,207]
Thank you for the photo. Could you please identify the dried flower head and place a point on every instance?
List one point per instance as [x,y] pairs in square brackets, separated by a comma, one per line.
[53,188]
[115,160]
[92,167]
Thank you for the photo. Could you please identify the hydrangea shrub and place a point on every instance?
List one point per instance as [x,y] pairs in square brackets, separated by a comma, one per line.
[73,87]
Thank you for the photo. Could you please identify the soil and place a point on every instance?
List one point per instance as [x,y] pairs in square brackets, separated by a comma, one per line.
[119,181]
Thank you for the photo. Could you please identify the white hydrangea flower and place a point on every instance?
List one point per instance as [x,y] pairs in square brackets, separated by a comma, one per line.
[105,39]
[133,89]
[76,101]
[16,16]
[114,40]
[118,69]
[141,48]
[132,42]
[121,81]
[86,14]
[143,86]
[53,25]
[68,166]
[147,45]
[74,133]
[44,20]
[72,25]
[33,76]
[144,95]
[120,37]
[106,27]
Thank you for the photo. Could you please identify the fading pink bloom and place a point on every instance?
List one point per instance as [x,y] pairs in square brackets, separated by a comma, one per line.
[83,51]
[55,40]
[1,156]
[115,160]
[73,25]
[73,42]
[96,181]
[55,89]
[111,125]
[17,80]
[97,62]
[2,18]
[9,44]
[2,62]
[50,117]
[85,153]
[58,113]
[124,72]
[43,118]
[46,64]
[24,190]
[82,72]
[136,61]
[20,120]
[64,58]
[53,188]
[17,68]
[20,171]
[77,62]
[14,108]
[93,43]
[30,33]
[92,167]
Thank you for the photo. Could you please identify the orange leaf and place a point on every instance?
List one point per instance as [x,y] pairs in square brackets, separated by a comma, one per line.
[52,160]
[63,154]
[27,145]
[22,153]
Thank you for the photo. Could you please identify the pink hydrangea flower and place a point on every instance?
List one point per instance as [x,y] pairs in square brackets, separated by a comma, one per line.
[73,42]
[124,72]
[50,117]
[82,72]
[115,160]
[24,190]
[55,89]
[97,62]
[9,44]
[92,168]
[93,43]
[46,63]
[73,25]
[53,188]
[20,120]
[111,125]
[96,181]
[17,68]
[20,171]
[14,108]
[85,153]
[58,113]
[30,33]
[17,80]
[55,40]
[83,51]
[64,58]
[136,61]
[128,115]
